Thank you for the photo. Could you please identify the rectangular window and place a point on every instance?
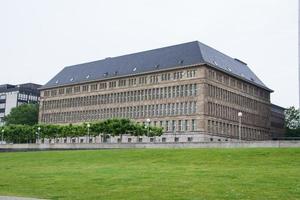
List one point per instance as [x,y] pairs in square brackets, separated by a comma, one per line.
[102,86]
[94,87]
[112,84]
[69,90]
[122,83]
[76,89]
[85,88]
[179,125]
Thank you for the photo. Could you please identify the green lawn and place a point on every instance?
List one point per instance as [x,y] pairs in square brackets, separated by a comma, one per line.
[153,174]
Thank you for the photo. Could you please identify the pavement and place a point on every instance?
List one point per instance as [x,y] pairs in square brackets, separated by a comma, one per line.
[16,198]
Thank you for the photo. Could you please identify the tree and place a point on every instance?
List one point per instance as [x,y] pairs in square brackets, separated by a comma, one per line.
[25,114]
[292,118]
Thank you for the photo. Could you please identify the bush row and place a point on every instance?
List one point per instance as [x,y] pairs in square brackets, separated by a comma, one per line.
[112,127]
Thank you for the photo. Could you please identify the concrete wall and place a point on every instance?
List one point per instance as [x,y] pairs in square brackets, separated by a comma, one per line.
[57,146]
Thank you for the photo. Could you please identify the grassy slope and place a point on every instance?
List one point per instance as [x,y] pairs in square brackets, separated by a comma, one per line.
[153,174]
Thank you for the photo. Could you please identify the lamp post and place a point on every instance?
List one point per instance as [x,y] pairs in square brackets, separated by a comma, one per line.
[88,129]
[240,114]
[38,134]
[2,136]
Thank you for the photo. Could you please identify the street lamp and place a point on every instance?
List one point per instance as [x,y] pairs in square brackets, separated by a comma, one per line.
[240,114]
[2,136]
[88,127]
[38,134]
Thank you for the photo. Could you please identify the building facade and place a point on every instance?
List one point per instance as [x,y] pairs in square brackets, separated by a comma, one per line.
[191,90]
[277,122]
[14,95]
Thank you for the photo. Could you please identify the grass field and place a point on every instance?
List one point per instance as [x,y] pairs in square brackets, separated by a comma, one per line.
[153,174]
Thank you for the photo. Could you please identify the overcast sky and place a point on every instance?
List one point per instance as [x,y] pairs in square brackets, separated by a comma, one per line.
[39,37]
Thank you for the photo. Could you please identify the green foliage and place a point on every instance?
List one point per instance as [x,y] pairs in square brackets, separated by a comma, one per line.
[112,127]
[292,132]
[292,118]
[25,114]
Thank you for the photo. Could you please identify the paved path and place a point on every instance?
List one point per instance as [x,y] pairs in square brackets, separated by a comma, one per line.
[16,198]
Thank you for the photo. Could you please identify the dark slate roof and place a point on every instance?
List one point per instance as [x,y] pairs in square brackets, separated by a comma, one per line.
[26,87]
[191,53]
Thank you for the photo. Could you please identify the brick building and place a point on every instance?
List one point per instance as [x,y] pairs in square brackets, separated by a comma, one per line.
[191,90]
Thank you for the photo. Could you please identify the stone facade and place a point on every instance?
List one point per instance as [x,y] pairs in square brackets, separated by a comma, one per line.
[197,99]
[277,122]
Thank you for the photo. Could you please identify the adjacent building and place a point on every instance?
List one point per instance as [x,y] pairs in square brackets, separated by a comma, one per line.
[14,95]
[277,122]
[191,90]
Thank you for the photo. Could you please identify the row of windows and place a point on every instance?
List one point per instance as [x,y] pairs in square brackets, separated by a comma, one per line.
[232,131]
[224,95]
[233,82]
[27,97]
[140,111]
[122,83]
[229,113]
[124,97]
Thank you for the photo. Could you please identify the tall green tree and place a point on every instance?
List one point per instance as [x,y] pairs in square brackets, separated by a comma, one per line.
[292,118]
[25,114]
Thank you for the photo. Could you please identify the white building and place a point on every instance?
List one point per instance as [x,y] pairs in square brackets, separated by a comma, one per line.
[14,95]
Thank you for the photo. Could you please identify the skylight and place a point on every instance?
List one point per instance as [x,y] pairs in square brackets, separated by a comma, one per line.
[88,76]
[71,79]
[180,61]
[134,69]
[228,68]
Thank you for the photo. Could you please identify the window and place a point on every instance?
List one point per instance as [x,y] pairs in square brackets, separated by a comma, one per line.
[94,87]
[179,125]
[102,86]
[191,73]
[190,139]
[176,139]
[177,75]
[140,139]
[173,125]
[61,91]
[163,139]
[132,81]
[112,84]
[76,89]
[85,88]
[154,79]
[53,93]
[122,83]
[3,96]
[46,93]
[69,90]
[165,77]
[129,140]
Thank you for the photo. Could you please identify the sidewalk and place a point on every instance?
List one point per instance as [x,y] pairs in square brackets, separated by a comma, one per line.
[16,198]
